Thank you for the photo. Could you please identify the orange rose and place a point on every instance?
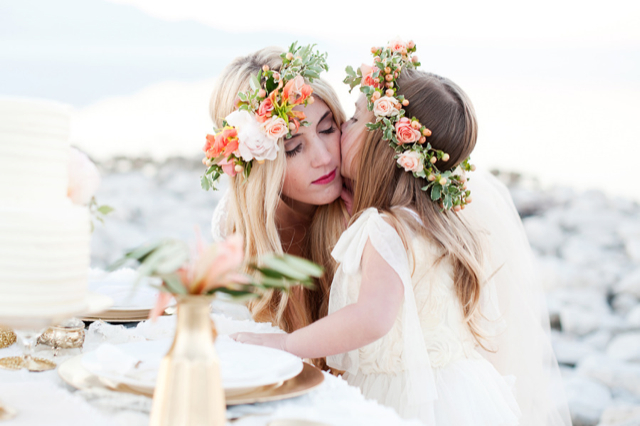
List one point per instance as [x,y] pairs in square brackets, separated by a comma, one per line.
[266,108]
[295,91]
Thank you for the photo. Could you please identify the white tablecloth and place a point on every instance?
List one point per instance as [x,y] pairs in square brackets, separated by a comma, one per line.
[43,398]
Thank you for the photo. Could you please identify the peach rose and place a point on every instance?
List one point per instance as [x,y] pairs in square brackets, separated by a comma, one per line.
[396,45]
[405,133]
[385,107]
[275,128]
[411,161]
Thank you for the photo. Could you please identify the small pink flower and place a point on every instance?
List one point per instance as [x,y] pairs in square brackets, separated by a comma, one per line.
[222,269]
[275,128]
[227,167]
[84,178]
[161,304]
[405,133]
[385,107]
[411,161]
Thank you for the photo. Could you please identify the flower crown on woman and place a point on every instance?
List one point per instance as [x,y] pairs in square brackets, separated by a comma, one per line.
[407,136]
[263,115]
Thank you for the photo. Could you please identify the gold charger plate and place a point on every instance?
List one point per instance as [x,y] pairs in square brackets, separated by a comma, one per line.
[116,315]
[75,375]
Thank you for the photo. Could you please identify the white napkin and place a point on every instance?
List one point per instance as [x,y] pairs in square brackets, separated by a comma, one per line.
[43,403]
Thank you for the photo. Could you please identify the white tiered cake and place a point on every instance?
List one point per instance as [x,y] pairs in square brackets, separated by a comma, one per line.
[44,238]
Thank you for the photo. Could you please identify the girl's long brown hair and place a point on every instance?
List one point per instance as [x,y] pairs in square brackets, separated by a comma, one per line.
[445,109]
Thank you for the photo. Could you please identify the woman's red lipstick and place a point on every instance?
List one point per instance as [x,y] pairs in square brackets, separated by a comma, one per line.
[328,178]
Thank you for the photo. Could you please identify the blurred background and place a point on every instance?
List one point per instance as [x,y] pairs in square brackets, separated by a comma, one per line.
[554,83]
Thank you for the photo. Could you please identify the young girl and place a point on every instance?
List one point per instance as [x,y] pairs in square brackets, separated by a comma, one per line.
[410,306]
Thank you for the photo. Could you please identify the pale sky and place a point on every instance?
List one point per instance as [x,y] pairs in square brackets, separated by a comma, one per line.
[505,23]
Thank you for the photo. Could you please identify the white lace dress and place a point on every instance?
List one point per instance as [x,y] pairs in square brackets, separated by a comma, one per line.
[219,218]
[427,366]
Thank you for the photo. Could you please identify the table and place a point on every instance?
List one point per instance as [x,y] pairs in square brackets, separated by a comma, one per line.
[43,398]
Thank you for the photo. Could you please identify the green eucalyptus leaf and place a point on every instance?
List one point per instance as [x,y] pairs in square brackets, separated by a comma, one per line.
[304,266]
[435,192]
[105,210]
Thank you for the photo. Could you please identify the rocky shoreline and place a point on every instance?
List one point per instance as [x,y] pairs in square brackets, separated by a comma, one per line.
[587,246]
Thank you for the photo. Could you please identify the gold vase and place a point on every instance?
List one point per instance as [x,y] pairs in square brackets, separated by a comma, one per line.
[189,387]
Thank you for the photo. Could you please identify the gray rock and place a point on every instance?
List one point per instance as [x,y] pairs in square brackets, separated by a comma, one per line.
[611,372]
[544,235]
[623,303]
[580,321]
[598,339]
[579,250]
[630,283]
[587,400]
[632,248]
[569,350]
[626,415]
[633,316]
[625,347]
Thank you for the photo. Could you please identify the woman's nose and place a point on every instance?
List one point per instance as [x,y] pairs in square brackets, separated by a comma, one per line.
[321,155]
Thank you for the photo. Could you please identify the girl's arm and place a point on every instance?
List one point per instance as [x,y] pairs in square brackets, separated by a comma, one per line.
[352,327]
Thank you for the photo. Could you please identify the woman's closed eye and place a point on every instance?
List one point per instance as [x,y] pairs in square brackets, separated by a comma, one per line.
[294,151]
[330,130]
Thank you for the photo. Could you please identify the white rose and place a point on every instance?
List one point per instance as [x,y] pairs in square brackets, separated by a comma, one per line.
[385,107]
[84,178]
[252,142]
[411,161]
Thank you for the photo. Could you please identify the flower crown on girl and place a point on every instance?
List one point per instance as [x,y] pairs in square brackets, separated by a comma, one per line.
[263,114]
[408,137]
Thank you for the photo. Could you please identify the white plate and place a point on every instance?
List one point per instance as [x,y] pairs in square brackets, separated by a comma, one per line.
[242,366]
[119,285]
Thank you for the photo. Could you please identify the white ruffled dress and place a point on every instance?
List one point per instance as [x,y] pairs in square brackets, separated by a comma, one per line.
[427,366]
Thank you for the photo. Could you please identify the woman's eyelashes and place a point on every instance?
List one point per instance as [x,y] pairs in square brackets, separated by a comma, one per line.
[298,148]
[330,130]
[294,151]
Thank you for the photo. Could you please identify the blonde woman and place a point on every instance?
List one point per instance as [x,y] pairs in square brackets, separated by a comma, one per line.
[414,316]
[285,204]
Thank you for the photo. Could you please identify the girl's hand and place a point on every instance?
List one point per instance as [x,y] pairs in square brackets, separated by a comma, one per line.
[272,340]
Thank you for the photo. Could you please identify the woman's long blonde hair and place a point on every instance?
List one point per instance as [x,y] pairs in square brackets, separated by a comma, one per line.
[445,109]
[253,203]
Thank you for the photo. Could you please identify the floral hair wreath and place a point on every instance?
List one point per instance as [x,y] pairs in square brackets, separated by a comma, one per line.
[263,115]
[408,137]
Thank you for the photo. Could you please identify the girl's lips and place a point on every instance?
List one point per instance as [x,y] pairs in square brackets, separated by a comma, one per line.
[328,178]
